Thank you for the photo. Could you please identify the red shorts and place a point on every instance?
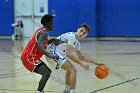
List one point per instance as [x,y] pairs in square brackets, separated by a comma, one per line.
[30,65]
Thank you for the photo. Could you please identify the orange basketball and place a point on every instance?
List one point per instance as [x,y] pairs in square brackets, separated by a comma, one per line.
[101,71]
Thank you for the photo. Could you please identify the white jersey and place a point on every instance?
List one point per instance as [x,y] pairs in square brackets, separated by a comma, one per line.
[60,50]
[67,38]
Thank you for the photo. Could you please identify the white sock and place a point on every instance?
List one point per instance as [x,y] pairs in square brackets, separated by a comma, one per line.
[72,91]
[38,92]
[67,87]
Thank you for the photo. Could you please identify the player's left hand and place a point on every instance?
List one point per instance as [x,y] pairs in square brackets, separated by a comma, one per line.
[54,58]
[55,41]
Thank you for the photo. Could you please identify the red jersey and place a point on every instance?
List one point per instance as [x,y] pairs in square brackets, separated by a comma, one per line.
[31,53]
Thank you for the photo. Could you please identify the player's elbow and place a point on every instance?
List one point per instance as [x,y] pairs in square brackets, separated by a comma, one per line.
[81,57]
[39,47]
[68,54]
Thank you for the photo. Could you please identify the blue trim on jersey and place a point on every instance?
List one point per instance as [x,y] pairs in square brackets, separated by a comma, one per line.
[64,35]
[51,45]
[77,43]
[57,54]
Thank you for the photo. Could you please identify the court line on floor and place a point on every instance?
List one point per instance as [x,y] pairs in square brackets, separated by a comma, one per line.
[22,90]
[114,85]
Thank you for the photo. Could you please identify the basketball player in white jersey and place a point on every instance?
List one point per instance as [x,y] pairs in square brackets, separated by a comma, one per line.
[65,50]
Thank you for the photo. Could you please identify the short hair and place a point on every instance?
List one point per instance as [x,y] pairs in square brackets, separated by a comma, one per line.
[86,26]
[46,18]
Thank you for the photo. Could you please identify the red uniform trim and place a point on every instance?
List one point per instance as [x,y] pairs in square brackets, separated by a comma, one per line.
[31,54]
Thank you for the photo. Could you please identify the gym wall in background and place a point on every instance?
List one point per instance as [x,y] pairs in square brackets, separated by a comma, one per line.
[107,18]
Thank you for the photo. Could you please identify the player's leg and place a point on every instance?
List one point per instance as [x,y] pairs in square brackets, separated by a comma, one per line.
[70,77]
[16,37]
[67,82]
[68,67]
[43,70]
[67,78]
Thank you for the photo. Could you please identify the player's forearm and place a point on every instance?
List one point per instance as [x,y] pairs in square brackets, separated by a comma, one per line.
[94,62]
[89,61]
[42,49]
[74,59]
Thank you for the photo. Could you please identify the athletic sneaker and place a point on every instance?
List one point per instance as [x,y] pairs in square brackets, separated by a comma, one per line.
[66,91]
[39,92]
[73,92]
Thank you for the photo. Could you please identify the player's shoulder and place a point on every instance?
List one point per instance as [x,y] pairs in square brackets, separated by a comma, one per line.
[65,35]
[40,29]
[70,34]
[42,33]
[71,37]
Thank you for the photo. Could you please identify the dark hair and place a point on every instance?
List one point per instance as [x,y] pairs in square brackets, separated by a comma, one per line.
[46,18]
[20,23]
[86,26]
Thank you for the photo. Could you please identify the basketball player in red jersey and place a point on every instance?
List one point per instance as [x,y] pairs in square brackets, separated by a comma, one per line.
[36,48]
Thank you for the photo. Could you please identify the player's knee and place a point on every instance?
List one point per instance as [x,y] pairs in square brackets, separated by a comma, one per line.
[73,70]
[47,73]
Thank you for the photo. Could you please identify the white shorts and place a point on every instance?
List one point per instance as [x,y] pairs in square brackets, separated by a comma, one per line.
[61,60]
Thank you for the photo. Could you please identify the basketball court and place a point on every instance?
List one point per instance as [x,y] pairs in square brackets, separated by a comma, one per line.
[114,40]
[122,58]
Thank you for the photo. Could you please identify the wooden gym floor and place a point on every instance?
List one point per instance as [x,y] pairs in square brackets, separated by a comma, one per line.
[122,57]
